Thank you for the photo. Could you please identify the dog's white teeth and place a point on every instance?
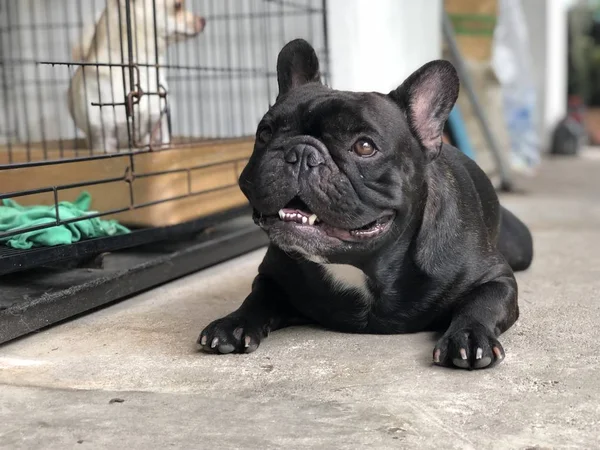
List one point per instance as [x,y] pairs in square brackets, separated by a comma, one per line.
[297,217]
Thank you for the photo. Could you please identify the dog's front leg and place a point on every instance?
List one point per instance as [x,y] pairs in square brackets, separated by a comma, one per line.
[479,318]
[264,310]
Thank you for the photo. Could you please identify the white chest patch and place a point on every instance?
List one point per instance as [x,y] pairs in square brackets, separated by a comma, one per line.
[345,277]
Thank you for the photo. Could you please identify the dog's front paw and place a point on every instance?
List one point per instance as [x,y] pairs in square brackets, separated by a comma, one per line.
[469,348]
[230,335]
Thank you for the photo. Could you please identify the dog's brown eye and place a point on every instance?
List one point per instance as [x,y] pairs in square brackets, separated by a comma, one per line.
[362,147]
[264,134]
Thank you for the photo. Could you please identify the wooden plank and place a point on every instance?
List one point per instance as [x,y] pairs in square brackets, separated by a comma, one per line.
[159,176]
[77,148]
[182,210]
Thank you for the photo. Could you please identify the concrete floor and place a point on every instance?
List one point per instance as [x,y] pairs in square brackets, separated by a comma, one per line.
[310,388]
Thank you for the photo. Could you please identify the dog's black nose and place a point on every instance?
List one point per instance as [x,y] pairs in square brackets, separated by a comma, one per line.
[306,153]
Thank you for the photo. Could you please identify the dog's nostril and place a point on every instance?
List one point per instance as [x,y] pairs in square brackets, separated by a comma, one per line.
[291,156]
[313,159]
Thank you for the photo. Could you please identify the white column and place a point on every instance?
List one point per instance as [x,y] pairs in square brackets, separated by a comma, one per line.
[547,21]
[375,44]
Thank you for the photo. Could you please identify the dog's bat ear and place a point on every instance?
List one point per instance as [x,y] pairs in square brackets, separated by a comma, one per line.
[297,64]
[427,97]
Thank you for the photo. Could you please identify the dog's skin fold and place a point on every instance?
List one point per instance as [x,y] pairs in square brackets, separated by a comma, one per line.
[375,225]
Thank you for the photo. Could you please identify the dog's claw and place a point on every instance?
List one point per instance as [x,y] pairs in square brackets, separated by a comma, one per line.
[462,362]
[498,353]
[468,348]
[231,335]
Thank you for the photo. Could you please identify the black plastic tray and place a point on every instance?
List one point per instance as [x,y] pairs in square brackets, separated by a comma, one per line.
[12,260]
[37,298]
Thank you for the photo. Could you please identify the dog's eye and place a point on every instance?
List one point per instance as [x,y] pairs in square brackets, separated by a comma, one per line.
[264,134]
[364,147]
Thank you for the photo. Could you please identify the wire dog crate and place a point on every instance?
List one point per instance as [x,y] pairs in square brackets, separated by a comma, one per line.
[148,105]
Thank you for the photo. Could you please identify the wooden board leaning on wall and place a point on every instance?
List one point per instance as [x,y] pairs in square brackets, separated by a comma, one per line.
[474,22]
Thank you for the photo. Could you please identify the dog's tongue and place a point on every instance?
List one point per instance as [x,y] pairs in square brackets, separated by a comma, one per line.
[337,232]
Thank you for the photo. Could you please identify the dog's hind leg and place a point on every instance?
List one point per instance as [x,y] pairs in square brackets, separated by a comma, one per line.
[515,241]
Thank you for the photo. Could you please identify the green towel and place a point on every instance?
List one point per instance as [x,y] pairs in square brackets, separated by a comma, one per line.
[14,217]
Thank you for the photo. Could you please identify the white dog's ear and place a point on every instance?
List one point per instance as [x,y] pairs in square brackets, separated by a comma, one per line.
[297,64]
[427,97]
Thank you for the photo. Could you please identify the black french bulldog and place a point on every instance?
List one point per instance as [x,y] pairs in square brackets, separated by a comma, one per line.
[375,225]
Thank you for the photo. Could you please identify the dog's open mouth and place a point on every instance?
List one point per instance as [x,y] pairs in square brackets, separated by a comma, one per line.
[298,215]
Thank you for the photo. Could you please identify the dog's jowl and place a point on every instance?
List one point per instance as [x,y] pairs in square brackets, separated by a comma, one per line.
[375,225]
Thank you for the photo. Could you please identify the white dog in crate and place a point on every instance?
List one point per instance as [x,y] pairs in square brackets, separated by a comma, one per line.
[98,93]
